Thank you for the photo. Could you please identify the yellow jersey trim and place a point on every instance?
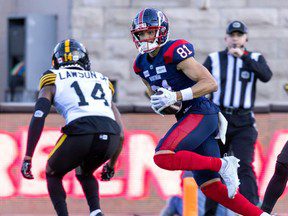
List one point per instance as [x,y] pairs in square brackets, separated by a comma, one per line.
[111,87]
[47,79]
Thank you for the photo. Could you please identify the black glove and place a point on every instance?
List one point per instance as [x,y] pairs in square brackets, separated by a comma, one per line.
[107,173]
[26,169]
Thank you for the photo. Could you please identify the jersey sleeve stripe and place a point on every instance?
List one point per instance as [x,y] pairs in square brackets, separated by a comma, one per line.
[47,76]
[49,83]
[111,87]
[47,79]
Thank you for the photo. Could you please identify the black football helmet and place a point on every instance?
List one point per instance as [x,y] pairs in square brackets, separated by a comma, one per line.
[70,53]
[146,19]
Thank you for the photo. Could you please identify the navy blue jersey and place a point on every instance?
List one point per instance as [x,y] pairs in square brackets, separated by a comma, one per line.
[161,71]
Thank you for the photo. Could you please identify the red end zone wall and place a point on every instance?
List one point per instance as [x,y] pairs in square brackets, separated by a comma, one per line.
[139,186]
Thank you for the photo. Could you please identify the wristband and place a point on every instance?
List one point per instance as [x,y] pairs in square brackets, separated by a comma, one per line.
[187,94]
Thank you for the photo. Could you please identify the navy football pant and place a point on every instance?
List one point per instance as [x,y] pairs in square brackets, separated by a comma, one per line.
[194,132]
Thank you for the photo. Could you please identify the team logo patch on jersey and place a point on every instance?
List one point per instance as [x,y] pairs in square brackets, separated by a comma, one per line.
[161,69]
[146,73]
[245,75]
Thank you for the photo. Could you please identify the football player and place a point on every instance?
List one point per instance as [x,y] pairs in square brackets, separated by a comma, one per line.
[279,179]
[93,132]
[169,67]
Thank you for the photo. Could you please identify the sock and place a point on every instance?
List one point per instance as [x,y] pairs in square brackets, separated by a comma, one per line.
[90,188]
[275,187]
[217,191]
[187,160]
[57,194]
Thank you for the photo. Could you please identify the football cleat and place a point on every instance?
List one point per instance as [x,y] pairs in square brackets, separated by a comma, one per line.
[228,172]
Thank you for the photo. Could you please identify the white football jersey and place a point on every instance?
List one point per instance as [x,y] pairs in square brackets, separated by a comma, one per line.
[80,93]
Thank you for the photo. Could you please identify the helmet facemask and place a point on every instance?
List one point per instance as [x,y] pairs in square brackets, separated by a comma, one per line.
[149,45]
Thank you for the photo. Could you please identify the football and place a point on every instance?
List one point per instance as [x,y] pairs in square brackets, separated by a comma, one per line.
[172,109]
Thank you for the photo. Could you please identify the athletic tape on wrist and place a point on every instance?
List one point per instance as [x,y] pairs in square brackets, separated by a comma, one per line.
[187,94]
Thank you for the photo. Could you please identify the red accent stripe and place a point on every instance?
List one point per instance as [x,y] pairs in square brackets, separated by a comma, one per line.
[140,20]
[181,131]
[136,69]
[168,55]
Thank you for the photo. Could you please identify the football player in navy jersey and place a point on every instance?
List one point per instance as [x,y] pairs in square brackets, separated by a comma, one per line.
[169,68]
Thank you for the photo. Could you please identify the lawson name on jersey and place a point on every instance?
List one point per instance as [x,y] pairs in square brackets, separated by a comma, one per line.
[80,74]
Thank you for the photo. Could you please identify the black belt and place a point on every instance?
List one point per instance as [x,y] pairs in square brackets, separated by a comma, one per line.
[235,111]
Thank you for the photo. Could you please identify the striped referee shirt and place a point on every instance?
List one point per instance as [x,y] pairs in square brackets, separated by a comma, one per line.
[236,77]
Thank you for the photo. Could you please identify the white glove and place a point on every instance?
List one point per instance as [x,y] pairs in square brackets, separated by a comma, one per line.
[160,102]
[156,110]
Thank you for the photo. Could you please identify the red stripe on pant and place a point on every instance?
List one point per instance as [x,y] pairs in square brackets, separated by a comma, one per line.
[181,131]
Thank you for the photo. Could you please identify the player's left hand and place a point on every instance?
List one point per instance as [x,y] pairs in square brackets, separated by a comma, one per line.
[161,101]
[107,173]
[26,169]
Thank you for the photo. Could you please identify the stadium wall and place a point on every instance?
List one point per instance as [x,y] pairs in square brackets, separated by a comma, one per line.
[104,27]
[139,186]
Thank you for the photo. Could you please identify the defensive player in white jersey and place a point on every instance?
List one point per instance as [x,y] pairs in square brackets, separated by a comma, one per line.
[93,132]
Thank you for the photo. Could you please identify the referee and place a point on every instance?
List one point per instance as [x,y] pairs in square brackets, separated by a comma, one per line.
[236,71]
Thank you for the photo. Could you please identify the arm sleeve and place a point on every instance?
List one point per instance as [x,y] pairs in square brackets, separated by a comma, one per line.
[260,67]
[42,108]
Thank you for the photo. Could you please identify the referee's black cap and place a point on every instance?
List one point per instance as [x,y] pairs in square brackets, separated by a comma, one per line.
[236,26]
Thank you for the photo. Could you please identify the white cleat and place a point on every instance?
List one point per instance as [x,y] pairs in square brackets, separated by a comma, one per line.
[264,214]
[229,174]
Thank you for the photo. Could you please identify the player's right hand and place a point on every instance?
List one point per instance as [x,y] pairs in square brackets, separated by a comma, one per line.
[26,169]
[107,173]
